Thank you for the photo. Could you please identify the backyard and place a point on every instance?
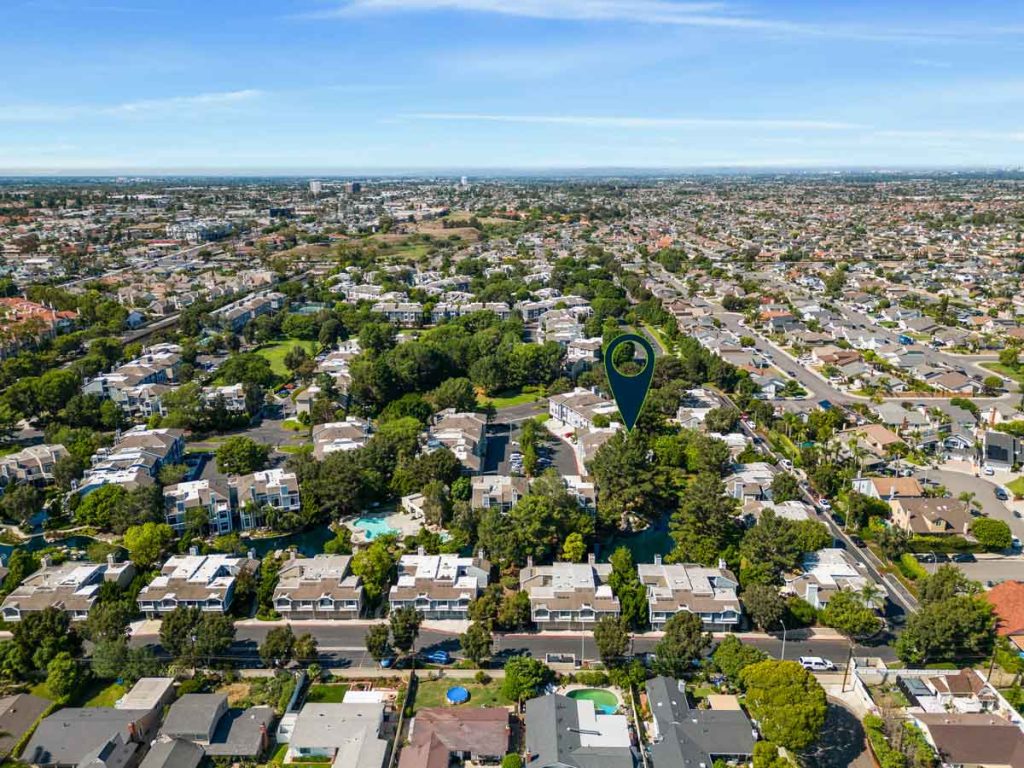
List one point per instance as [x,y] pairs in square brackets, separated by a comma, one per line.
[511,397]
[431,693]
[326,694]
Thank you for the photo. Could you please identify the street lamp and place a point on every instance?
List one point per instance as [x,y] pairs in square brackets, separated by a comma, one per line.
[783,640]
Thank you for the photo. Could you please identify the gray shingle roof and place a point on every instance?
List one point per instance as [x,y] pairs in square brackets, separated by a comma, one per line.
[693,737]
[553,736]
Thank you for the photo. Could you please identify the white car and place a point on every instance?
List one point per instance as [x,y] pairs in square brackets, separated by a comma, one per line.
[989,471]
[817,664]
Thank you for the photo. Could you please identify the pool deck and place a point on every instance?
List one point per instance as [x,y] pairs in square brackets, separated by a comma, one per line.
[400,522]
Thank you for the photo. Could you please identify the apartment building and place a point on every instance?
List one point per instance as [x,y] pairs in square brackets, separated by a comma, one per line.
[439,586]
[277,488]
[135,459]
[579,408]
[347,435]
[199,581]
[501,492]
[408,314]
[927,516]
[238,314]
[464,434]
[568,595]
[212,497]
[319,587]
[33,464]
[72,587]
[159,364]
[708,592]
[231,395]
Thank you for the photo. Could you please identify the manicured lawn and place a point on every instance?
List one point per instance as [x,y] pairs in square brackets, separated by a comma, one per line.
[1017,487]
[511,397]
[326,694]
[274,353]
[431,693]
[106,697]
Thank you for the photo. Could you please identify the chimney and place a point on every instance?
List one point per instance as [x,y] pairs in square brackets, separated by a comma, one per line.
[264,738]
[193,550]
[46,561]
[529,561]
[722,565]
[592,558]
[110,559]
[421,551]
[252,554]
[657,559]
[132,734]
[481,554]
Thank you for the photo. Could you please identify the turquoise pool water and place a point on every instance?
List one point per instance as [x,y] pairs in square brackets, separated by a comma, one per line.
[605,702]
[373,527]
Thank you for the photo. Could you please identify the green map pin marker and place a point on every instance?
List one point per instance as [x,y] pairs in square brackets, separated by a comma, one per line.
[630,392]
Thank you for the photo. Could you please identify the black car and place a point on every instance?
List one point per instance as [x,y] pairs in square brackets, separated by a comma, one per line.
[925,557]
[858,541]
[964,557]
[941,557]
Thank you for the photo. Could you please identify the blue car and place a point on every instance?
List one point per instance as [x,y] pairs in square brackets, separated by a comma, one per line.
[387,661]
[438,657]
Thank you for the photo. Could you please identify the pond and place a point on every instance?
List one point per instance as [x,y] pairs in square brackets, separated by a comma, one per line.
[309,542]
[643,545]
[37,542]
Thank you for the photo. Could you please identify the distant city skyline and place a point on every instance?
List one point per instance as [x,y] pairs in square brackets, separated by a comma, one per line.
[314,86]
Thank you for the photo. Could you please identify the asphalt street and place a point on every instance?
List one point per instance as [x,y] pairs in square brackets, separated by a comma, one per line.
[343,644]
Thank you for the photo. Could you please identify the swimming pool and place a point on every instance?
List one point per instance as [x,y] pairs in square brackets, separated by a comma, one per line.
[605,702]
[372,527]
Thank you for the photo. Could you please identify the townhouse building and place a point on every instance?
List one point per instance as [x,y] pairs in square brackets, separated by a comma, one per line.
[319,587]
[32,464]
[210,496]
[439,586]
[501,492]
[408,314]
[238,314]
[199,581]
[135,459]
[254,493]
[347,435]
[71,587]
[569,595]
[464,434]
[579,408]
[711,593]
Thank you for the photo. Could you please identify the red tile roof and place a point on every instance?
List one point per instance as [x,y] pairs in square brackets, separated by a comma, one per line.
[1007,600]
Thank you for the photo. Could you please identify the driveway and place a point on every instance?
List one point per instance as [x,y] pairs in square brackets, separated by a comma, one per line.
[504,432]
[983,488]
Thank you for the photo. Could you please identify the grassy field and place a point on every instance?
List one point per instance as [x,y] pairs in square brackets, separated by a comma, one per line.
[1017,487]
[274,353]
[106,697]
[431,693]
[511,397]
[326,694]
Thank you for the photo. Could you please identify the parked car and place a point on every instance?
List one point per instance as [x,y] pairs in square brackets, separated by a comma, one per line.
[989,471]
[941,557]
[1016,513]
[386,662]
[825,503]
[964,557]
[925,557]
[817,664]
[1002,495]
[858,541]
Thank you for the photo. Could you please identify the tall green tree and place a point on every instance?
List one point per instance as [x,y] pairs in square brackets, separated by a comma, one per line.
[476,642]
[787,702]
[612,640]
[705,523]
[682,646]
[405,628]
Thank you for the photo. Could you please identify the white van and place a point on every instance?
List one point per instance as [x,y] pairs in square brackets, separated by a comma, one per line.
[817,664]
[786,464]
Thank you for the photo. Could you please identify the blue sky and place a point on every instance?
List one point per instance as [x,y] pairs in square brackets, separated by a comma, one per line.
[465,84]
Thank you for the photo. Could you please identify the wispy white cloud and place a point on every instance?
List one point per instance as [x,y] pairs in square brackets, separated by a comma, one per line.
[713,14]
[181,105]
[603,121]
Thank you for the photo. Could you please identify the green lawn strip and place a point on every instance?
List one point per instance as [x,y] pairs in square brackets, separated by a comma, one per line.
[1009,373]
[106,696]
[431,693]
[326,694]
[1016,487]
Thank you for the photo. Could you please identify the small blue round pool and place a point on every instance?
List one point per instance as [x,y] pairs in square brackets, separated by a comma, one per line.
[457,695]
